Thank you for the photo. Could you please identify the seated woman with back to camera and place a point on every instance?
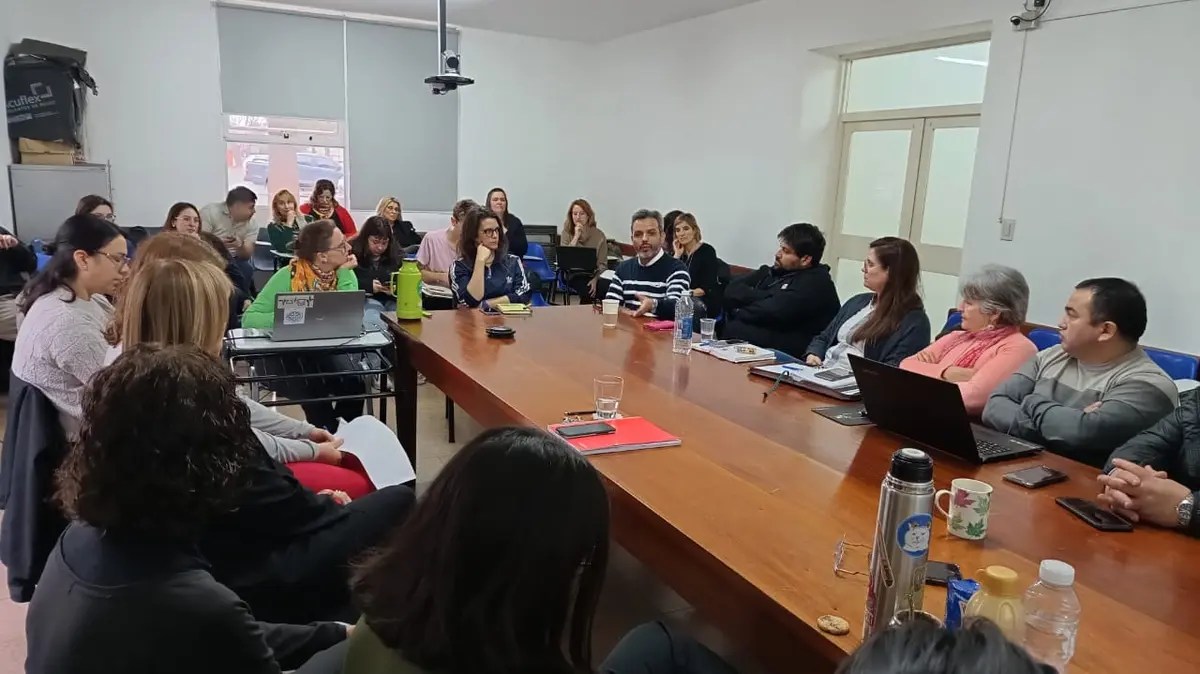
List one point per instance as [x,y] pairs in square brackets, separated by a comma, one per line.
[485,270]
[886,324]
[990,346]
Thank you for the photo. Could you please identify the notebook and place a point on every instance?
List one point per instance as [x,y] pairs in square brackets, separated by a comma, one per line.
[735,353]
[632,433]
[510,309]
[805,377]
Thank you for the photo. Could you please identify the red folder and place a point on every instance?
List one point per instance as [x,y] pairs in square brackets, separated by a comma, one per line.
[632,433]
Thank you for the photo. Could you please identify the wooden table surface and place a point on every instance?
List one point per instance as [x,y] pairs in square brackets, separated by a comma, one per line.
[743,518]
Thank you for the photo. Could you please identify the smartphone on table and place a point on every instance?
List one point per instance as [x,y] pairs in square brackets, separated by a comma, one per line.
[941,573]
[1035,477]
[1095,514]
[585,430]
[835,374]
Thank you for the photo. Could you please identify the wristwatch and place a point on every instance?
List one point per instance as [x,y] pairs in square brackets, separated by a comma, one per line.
[1183,512]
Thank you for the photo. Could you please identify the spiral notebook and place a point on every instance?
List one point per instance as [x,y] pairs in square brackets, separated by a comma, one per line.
[632,433]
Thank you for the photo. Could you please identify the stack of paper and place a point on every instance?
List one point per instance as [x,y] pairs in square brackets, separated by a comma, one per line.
[735,353]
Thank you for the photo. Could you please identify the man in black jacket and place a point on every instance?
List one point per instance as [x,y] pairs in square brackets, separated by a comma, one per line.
[1155,476]
[784,306]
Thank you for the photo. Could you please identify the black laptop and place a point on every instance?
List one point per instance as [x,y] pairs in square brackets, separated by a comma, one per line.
[931,412]
[577,258]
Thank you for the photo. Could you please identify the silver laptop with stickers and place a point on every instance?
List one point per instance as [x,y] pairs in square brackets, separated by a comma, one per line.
[318,315]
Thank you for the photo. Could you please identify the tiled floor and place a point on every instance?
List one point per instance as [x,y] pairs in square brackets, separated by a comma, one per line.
[632,595]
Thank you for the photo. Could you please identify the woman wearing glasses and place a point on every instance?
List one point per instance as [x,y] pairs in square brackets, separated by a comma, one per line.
[94,204]
[60,344]
[184,218]
[485,270]
[323,263]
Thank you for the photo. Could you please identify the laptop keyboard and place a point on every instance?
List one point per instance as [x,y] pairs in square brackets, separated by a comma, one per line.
[988,449]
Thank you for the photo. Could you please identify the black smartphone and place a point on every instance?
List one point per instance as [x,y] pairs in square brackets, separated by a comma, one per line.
[941,573]
[585,430]
[836,374]
[1095,514]
[1038,476]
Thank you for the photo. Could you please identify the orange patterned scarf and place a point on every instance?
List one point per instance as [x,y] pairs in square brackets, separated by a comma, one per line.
[306,278]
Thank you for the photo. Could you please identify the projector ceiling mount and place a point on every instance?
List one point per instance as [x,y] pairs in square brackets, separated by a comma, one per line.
[447,78]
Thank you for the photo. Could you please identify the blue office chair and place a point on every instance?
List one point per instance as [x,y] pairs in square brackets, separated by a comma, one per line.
[953,320]
[1044,338]
[1176,365]
[535,261]
[536,300]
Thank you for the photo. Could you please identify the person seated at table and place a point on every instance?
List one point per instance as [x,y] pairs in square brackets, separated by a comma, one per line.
[989,347]
[978,648]
[669,230]
[1086,397]
[514,229]
[60,344]
[479,581]
[485,270]
[708,273]
[17,262]
[94,204]
[184,218]
[286,222]
[439,248]
[378,257]
[126,589]
[323,206]
[887,324]
[783,307]
[233,222]
[403,231]
[580,230]
[323,263]
[651,281]
[1155,477]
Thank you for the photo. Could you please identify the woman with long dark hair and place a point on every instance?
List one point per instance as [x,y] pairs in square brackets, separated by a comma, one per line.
[499,569]
[323,206]
[887,324]
[60,343]
[164,452]
[184,218]
[94,204]
[485,269]
[514,229]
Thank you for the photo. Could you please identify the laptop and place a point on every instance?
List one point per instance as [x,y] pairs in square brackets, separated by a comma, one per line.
[318,315]
[577,258]
[931,412]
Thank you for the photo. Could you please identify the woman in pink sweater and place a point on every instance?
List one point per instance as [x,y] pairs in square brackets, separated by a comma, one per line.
[990,346]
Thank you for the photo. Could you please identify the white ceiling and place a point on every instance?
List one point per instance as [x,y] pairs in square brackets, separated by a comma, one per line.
[583,20]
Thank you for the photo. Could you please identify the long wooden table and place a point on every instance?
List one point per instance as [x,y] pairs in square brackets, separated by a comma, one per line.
[742,520]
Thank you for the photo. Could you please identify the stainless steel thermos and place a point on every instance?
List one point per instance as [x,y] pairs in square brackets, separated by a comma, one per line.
[902,532]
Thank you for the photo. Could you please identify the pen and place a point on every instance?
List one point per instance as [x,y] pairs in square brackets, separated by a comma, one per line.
[579,413]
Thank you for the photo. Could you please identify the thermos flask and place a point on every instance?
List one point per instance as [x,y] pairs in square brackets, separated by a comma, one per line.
[406,283]
[902,532]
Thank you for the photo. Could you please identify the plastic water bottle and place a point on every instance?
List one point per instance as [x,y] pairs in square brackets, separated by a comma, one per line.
[1052,615]
[684,307]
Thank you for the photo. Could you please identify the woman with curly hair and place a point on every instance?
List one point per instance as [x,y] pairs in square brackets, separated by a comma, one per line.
[126,588]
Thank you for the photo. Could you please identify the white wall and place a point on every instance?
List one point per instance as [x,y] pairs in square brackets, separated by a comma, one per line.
[733,116]
[528,124]
[158,116]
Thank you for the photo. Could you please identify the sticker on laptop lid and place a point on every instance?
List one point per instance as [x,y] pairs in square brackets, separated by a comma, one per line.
[294,308]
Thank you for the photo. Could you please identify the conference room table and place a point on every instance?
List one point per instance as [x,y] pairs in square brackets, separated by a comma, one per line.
[743,519]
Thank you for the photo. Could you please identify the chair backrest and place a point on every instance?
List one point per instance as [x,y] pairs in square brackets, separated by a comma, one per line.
[953,320]
[535,251]
[1044,338]
[1176,365]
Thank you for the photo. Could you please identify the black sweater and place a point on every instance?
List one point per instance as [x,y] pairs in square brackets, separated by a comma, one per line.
[15,264]
[379,269]
[518,244]
[405,234]
[704,267]
[778,309]
[128,607]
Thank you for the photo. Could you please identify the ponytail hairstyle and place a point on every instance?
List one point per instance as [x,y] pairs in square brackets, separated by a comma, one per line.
[900,296]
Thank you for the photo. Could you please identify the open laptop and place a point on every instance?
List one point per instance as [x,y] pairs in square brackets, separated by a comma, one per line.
[931,412]
[318,315]
[577,258]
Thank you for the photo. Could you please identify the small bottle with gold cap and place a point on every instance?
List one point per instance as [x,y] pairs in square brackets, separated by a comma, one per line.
[999,600]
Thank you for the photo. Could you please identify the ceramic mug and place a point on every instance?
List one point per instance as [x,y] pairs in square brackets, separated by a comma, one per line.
[970,503]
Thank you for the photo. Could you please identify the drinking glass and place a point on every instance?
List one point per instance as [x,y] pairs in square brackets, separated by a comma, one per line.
[608,396]
[610,308]
[708,326]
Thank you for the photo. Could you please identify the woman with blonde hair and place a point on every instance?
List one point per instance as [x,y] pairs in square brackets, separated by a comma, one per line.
[704,267]
[403,232]
[286,221]
[580,230]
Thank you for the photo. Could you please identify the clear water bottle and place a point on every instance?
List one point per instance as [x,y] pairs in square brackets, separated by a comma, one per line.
[684,309]
[1052,615]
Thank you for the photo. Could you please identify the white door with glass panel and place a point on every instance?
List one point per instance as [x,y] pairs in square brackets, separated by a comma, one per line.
[909,178]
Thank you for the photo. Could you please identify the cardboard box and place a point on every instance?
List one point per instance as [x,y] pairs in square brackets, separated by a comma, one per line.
[45,152]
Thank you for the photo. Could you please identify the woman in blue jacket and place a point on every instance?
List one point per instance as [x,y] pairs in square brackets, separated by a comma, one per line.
[887,324]
[485,270]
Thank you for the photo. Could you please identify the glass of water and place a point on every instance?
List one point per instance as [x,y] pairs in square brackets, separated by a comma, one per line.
[708,326]
[608,396]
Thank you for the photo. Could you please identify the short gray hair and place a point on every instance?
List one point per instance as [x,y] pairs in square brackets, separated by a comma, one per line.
[999,290]
[647,214]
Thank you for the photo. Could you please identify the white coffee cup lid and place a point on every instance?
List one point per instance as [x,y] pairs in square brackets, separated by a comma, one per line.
[1055,572]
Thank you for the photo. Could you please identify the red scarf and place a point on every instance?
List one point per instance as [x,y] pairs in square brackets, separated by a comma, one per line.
[979,342]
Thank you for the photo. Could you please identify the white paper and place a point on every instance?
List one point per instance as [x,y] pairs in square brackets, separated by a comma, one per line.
[379,450]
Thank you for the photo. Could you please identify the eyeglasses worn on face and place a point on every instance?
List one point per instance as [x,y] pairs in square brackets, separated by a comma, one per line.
[490,231]
[116,258]
[187,219]
[343,247]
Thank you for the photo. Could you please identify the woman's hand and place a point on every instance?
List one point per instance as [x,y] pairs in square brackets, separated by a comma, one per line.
[330,452]
[958,374]
[484,254]
[926,356]
[813,360]
[377,287]
[290,218]
[678,248]
[351,261]
[339,497]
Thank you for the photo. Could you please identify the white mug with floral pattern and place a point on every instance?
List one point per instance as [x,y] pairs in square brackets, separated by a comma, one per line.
[970,503]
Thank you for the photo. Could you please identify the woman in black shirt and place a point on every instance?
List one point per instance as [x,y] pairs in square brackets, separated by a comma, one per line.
[126,590]
[514,229]
[403,231]
[705,268]
[378,258]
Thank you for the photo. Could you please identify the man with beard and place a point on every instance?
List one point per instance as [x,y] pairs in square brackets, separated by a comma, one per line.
[650,282]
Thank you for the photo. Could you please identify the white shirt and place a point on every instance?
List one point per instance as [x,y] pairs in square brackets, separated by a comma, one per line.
[839,355]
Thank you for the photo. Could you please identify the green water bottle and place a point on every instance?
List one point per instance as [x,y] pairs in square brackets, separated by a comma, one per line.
[406,283]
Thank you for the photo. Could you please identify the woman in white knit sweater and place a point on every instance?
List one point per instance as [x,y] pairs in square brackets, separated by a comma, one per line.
[60,343]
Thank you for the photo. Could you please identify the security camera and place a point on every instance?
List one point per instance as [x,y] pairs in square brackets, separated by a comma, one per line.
[1015,21]
[448,79]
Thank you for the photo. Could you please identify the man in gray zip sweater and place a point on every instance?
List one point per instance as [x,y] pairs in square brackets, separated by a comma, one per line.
[1096,390]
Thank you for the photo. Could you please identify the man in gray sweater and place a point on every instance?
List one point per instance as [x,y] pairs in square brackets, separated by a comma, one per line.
[1096,390]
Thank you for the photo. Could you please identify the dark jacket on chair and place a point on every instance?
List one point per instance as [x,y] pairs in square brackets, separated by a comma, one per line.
[34,446]
[1173,445]
[779,309]
[16,264]
[909,338]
